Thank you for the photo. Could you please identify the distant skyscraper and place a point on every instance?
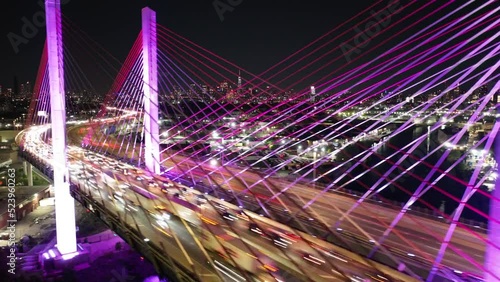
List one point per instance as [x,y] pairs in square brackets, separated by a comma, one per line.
[313,94]
[239,81]
[29,92]
[22,90]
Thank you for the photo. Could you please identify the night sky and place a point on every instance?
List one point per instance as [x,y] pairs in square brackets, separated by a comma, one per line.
[255,35]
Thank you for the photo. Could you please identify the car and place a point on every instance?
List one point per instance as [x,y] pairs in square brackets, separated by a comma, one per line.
[220,207]
[229,216]
[179,196]
[242,215]
[160,214]
[312,259]
[201,199]
[123,186]
[288,235]
[293,236]
[279,241]
[253,227]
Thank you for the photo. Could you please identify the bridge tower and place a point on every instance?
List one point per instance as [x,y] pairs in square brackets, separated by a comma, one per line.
[65,205]
[492,255]
[150,88]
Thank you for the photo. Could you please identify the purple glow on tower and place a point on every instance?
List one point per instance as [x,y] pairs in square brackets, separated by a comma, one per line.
[150,88]
[492,254]
[65,206]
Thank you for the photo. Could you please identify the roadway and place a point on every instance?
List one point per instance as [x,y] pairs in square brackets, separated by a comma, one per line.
[369,220]
[179,236]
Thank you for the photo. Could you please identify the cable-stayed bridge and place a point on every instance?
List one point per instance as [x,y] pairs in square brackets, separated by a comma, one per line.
[218,174]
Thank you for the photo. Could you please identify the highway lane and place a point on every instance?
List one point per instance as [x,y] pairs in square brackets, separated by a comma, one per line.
[76,134]
[372,219]
[108,198]
[330,207]
[260,244]
[173,227]
[154,235]
[405,239]
[134,218]
[406,228]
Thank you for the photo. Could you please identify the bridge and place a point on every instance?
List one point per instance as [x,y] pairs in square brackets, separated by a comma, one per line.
[200,211]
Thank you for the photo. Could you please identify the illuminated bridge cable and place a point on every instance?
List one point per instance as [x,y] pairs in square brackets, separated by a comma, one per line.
[289,58]
[285,254]
[414,146]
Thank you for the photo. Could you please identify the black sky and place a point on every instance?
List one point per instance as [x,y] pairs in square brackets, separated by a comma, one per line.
[255,35]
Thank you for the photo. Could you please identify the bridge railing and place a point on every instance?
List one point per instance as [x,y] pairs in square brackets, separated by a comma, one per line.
[164,263]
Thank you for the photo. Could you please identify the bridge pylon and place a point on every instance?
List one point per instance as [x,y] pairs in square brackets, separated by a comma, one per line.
[65,204]
[150,88]
[492,253]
